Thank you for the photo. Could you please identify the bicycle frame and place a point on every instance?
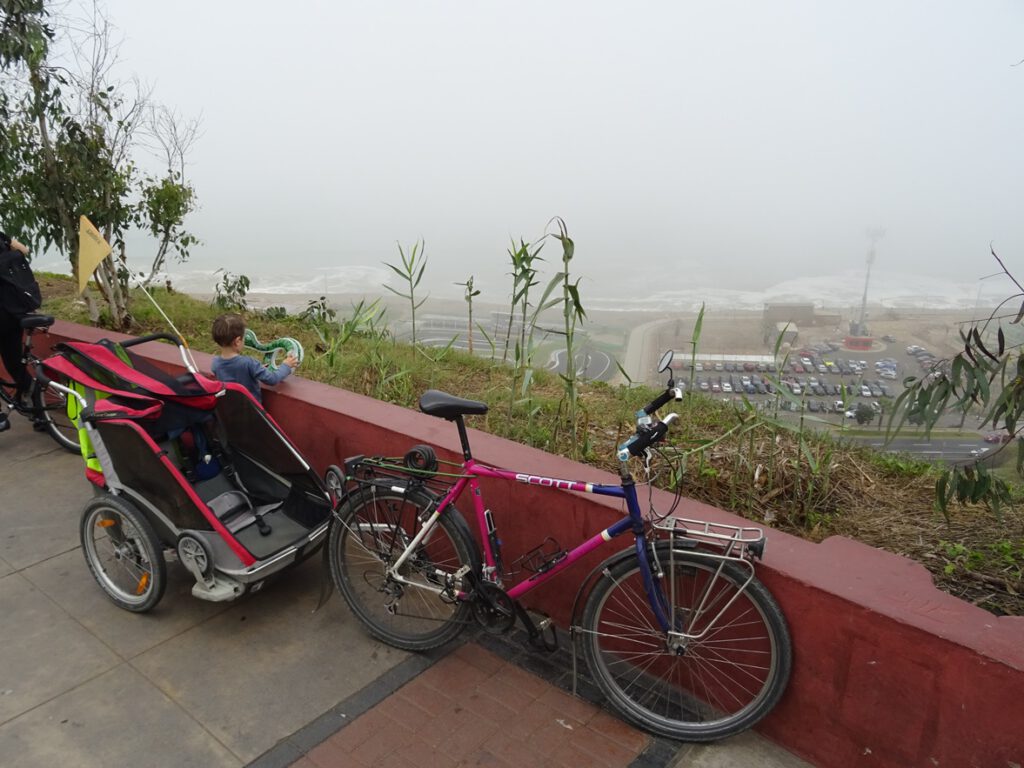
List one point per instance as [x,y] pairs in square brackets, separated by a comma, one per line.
[633,521]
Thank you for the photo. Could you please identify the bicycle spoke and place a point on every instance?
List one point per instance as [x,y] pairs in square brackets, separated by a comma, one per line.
[711,676]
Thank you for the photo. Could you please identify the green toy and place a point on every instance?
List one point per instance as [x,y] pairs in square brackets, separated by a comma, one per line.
[272,349]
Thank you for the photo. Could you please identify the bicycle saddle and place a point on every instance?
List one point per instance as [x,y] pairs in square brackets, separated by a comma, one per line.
[438,403]
[36,321]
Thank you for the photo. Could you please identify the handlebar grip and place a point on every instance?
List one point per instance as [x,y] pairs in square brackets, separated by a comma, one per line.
[659,401]
[642,440]
[152,337]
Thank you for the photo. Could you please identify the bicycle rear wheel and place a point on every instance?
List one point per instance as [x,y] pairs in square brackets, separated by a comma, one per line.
[700,689]
[123,552]
[51,409]
[422,611]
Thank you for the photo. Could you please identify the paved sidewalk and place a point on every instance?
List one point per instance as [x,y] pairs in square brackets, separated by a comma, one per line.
[490,702]
[262,680]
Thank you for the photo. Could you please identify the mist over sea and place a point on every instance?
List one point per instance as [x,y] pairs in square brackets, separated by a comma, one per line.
[890,289]
[632,293]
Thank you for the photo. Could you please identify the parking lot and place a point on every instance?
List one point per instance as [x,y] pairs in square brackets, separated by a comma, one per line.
[823,378]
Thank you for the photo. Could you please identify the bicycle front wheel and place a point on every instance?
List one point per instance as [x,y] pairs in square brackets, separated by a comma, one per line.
[722,669]
[421,608]
[51,410]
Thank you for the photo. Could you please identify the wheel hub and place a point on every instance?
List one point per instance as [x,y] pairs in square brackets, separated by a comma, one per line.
[677,645]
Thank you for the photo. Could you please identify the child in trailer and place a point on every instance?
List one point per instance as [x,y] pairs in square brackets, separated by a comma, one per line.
[232,365]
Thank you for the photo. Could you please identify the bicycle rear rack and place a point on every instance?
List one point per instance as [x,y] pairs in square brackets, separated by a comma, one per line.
[736,542]
[364,470]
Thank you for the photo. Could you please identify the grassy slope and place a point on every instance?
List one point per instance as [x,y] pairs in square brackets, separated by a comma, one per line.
[801,482]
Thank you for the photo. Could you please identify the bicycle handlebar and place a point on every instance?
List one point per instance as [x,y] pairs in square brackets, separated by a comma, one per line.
[672,393]
[648,433]
[152,337]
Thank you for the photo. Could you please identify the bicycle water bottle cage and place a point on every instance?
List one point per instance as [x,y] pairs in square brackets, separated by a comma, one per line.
[541,558]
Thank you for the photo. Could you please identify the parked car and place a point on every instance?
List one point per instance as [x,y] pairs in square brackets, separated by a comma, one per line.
[865,391]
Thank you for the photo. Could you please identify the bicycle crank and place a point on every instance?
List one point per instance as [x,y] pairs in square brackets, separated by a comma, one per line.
[493,609]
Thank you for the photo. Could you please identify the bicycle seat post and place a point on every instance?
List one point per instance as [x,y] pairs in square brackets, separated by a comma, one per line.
[464,437]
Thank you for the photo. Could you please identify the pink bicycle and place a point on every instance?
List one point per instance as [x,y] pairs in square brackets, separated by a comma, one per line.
[677,632]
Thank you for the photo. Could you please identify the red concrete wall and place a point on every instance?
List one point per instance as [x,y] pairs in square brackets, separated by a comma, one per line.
[888,670]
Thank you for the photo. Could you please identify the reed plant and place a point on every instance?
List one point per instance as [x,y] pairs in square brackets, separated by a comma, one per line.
[411,272]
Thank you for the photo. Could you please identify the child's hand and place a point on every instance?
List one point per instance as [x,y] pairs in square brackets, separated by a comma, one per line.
[291,361]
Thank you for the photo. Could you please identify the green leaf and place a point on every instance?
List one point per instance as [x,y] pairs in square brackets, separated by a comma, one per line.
[527,378]
[811,460]
[981,345]
[626,376]
[697,327]
[941,499]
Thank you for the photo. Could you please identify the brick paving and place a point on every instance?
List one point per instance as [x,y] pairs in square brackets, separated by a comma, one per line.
[473,708]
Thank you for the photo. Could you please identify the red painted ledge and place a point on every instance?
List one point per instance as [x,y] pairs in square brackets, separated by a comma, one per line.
[888,670]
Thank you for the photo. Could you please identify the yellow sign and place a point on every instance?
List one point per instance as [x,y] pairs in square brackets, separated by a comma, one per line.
[92,249]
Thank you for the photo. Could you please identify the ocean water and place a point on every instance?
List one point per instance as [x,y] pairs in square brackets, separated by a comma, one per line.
[889,289]
[835,291]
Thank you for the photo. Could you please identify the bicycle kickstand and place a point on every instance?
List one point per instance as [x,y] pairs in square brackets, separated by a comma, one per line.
[543,637]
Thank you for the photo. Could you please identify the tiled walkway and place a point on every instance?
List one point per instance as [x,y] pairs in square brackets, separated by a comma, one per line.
[473,708]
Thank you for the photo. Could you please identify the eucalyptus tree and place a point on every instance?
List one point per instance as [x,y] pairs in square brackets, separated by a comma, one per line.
[67,140]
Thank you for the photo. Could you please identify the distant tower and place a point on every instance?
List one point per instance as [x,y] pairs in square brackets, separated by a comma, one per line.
[860,327]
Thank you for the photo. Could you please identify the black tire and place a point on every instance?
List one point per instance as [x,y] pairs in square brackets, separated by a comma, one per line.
[123,553]
[51,409]
[334,479]
[713,687]
[374,526]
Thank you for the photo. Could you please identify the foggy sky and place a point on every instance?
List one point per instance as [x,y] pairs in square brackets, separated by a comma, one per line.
[685,144]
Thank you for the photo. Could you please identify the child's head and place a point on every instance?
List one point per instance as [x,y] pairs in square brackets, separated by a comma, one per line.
[228,328]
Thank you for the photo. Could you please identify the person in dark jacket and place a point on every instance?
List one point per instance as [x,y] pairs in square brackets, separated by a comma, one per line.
[10,336]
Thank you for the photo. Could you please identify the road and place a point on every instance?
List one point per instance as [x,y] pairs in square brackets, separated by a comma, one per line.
[591,365]
[941,449]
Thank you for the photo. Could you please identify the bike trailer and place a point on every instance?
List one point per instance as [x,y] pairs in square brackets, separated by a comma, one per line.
[187,463]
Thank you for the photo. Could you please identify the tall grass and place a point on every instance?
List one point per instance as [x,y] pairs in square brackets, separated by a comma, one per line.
[411,271]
